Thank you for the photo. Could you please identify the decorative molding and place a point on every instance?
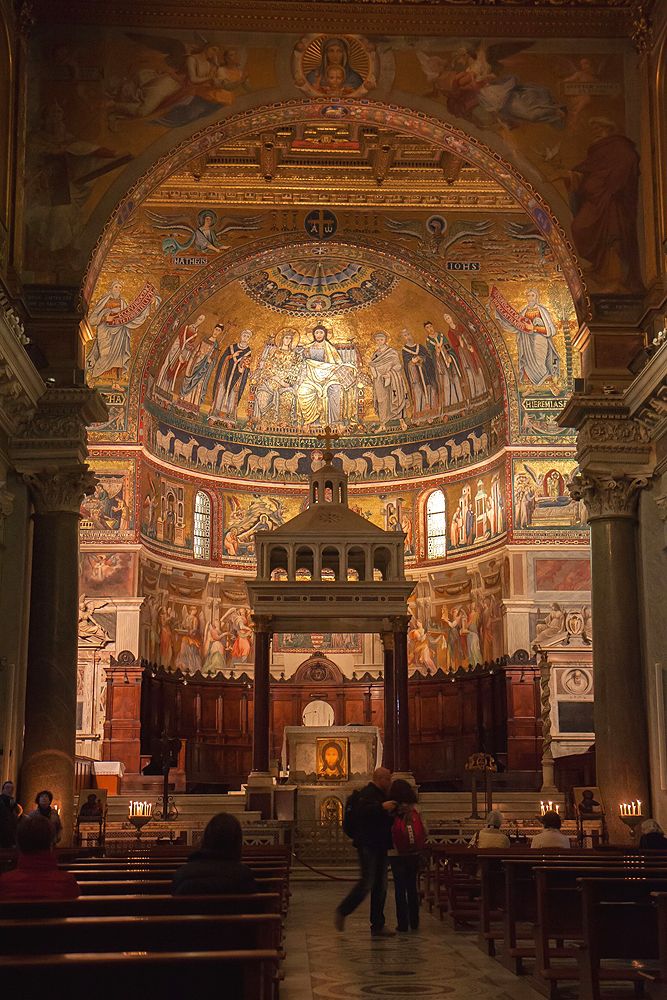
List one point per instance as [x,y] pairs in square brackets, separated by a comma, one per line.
[608,495]
[56,490]
[457,17]
[641,27]
[6,507]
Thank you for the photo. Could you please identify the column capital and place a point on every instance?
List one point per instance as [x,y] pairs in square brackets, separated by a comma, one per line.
[261,623]
[608,495]
[57,490]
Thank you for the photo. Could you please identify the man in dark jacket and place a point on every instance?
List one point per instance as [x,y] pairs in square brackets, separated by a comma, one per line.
[372,838]
[216,868]
[9,815]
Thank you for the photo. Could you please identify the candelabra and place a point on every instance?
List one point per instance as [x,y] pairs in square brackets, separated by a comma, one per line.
[139,814]
[630,813]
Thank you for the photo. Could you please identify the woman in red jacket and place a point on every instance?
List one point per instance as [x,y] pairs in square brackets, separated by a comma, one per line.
[37,875]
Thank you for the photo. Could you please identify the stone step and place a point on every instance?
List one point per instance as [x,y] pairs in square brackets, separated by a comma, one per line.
[191,808]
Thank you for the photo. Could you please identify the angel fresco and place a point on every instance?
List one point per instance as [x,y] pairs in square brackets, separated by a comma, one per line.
[477,84]
[435,235]
[197,79]
[205,236]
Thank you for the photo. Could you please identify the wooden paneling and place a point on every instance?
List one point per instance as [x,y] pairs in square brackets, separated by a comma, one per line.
[493,711]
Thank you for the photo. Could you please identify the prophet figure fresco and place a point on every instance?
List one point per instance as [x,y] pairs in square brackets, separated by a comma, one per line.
[538,360]
[604,195]
[112,318]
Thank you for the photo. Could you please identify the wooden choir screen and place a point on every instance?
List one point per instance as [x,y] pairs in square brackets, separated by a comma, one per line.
[451,717]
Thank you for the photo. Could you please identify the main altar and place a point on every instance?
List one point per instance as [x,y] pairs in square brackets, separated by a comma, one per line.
[326,763]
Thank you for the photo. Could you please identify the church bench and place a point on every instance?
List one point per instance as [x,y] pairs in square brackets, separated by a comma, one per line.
[620,929]
[188,932]
[521,918]
[139,886]
[243,974]
[559,917]
[93,906]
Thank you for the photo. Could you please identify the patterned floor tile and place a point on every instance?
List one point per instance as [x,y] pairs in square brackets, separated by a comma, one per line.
[436,963]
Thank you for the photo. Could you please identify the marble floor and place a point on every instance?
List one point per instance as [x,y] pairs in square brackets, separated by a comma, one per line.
[323,964]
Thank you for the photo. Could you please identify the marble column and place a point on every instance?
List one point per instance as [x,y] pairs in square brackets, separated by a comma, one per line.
[401,705]
[619,711]
[50,706]
[389,701]
[261,703]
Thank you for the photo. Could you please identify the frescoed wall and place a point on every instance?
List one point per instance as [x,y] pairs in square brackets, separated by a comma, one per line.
[108,514]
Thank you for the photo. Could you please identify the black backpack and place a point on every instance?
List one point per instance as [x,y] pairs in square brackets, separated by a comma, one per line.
[351,814]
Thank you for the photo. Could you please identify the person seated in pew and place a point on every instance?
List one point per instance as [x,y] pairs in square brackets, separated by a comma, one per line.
[37,875]
[44,808]
[551,835]
[216,868]
[492,835]
[652,836]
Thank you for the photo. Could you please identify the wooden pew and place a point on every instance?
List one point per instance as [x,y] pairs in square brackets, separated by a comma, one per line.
[191,932]
[619,923]
[559,915]
[246,975]
[142,886]
[127,904]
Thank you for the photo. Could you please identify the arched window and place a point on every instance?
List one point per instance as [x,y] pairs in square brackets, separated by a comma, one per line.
[436,526]
[202,526]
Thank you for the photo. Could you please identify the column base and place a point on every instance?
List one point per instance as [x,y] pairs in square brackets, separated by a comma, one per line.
[259,794]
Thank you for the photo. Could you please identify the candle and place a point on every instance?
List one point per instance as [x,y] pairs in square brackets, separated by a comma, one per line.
[140,808]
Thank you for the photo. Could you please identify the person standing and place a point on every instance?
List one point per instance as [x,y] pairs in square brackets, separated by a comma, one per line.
[45,809]
[10,811]
[409,838]
[371,815]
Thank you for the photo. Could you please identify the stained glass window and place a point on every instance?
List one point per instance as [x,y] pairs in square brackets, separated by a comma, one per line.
[436,526]
[202,526]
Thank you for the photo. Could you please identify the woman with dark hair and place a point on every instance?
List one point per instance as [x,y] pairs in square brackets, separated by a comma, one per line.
[44,808]
[216,867]
[409,838]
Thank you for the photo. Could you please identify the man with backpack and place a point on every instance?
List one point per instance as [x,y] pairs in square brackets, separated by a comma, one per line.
[368,821]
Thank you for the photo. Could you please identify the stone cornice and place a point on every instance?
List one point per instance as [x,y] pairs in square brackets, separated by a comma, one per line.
[57,430]
[646,398]
[517,18]
[20,383]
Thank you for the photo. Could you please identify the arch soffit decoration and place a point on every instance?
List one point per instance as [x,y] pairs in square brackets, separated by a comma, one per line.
[365,112]
[318,668]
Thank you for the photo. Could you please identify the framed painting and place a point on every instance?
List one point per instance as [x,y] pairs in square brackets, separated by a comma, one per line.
[92,805]
[588,802]
[333,758]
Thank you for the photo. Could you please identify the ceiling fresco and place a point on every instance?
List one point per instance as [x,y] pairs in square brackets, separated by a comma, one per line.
[105,103]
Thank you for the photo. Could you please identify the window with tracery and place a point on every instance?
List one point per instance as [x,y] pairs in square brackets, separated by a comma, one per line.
[202,526]
[436,526]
